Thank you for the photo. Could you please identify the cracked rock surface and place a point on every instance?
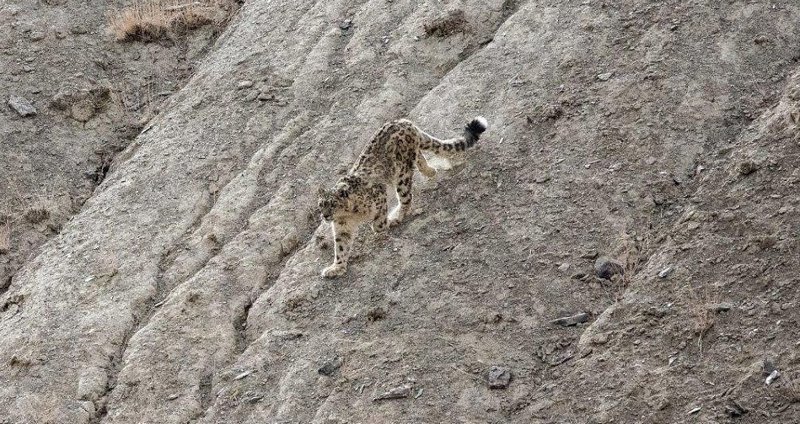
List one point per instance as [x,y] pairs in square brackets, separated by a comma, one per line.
[186,288]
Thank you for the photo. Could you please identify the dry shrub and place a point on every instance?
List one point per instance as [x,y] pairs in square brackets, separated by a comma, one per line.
[632,254]
[150,20]
[700,304]
[454,22]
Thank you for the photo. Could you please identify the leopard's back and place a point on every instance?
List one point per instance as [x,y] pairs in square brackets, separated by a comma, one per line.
[391,150]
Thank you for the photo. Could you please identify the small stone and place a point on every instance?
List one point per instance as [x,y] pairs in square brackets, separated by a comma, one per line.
[399,392]
[695,410]
[498,377]
[761,39]
[572,320]
[78,29]
[563,267]
[650,160]
[244,84]
[693,225]
[36,36]
[243,375]
[722,307]
[253,397]
[541,179]
[605,76]
[664,273]
[747,167]
[264,96]
[734,409]
[606,268]
[330,366]
[590,255]
[699,169]
[22,106]
[772,377]
[345,24]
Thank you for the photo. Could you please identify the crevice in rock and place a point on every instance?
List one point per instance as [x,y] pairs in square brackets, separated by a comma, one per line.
[205,387]
[5,285]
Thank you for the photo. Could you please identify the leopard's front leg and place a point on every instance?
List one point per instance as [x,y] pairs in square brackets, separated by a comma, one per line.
[343,234]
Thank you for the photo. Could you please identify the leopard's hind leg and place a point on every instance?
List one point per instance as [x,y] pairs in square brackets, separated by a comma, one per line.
[424,168]
[403,189]
[379,218]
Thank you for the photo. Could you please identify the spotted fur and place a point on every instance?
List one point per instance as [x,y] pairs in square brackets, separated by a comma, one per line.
[387,161]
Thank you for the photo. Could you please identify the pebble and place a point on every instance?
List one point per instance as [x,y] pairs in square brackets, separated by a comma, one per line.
[571,320]
[606,268]
[563,267]
[498,377]
[22,106]
[664,273]
[722,307]
[330,366]
[345,25]
[78,29]
[772,377]
[244,84]
[243,375]
[399,392]
[36,36]
[605,76]
[264,96]
[747,167]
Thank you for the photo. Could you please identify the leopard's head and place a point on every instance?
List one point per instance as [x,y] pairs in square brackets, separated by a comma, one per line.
[329,201]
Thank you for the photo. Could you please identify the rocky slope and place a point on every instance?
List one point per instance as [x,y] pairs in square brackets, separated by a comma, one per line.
[663,134]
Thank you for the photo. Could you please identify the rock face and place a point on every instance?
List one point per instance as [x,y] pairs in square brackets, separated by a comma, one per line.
[22,106]
[186,287]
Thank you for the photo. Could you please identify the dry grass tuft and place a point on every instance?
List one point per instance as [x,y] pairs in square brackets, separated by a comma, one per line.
[702,313]
[632,254]
[150,20]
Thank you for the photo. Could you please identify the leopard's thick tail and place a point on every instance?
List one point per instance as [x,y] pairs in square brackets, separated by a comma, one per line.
[472,132]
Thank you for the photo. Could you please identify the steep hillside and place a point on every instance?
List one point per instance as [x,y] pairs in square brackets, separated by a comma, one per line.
[660,134]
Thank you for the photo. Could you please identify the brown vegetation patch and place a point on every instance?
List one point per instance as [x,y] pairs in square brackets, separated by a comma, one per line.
[150,20]
[454,22]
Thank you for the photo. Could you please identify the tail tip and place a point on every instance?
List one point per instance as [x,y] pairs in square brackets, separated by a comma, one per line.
[478,125]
